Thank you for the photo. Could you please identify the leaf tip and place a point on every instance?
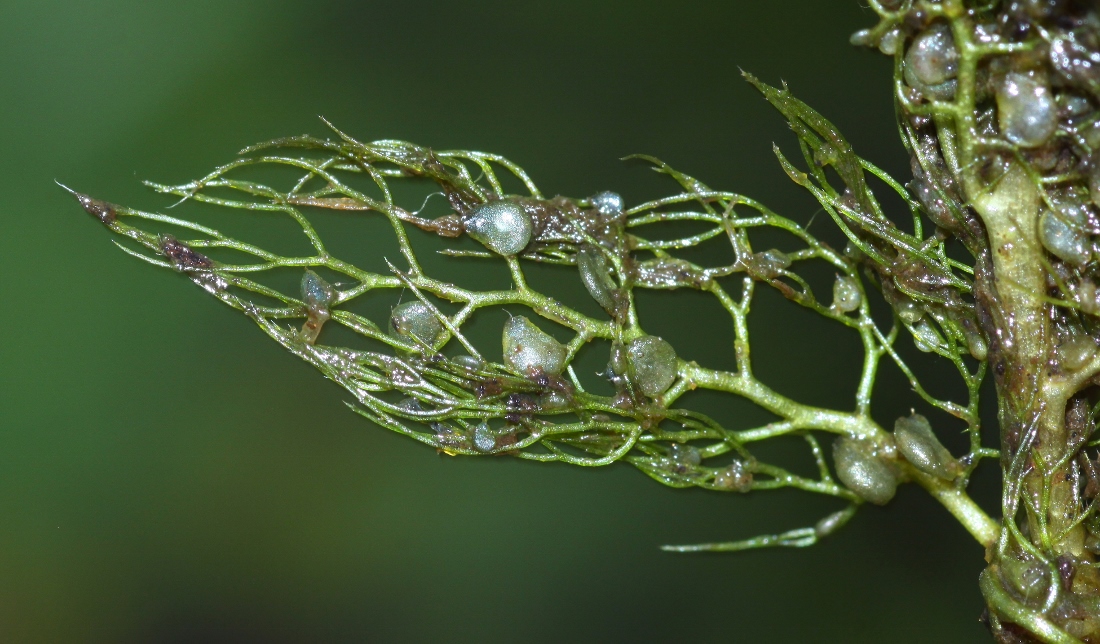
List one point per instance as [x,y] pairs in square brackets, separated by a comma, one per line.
[101,210]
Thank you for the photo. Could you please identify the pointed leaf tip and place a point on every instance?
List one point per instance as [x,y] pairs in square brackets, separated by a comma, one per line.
[101,210]
[347,138]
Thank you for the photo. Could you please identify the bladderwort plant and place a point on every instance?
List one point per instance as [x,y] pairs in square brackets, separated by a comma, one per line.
[998,105]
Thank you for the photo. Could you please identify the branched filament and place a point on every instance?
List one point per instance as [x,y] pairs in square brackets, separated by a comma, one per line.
[531,404]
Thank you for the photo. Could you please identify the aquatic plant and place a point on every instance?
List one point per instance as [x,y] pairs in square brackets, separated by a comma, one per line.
[988,265]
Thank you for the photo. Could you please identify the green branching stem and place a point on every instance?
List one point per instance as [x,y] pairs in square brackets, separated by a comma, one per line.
[468,404]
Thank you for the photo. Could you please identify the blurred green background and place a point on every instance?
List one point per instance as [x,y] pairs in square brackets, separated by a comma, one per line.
[168,474]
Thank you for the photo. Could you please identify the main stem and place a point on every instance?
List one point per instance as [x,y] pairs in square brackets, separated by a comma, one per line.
[1033,387]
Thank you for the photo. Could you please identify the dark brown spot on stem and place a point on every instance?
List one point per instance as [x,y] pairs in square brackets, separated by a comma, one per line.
[488,388]
[1066,571]
[182,255]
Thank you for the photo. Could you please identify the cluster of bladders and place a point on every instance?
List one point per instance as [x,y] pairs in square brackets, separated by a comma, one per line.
[872,471]
[1030,101]
[647,364]
[1041,102]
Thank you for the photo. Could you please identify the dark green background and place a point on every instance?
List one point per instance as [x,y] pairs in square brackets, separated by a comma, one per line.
[167,473]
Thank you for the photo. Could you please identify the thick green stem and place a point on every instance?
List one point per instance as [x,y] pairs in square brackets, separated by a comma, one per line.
[980,526]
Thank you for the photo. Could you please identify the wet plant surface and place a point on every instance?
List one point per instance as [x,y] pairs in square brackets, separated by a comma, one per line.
[467,253]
